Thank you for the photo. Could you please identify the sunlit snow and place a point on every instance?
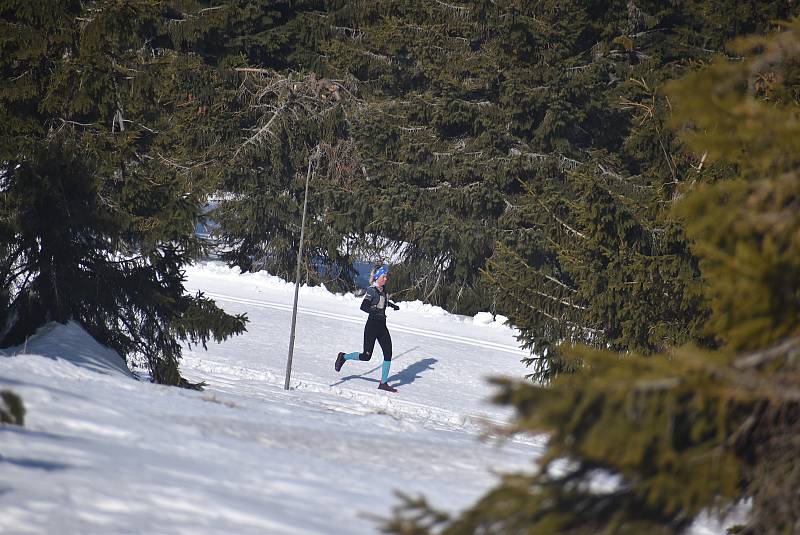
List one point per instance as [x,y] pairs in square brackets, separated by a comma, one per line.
[103,453]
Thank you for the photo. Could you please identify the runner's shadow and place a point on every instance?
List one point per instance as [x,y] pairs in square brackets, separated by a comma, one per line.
[409,374]
[373,370]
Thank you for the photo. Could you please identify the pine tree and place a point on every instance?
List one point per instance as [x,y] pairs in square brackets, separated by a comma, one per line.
[103,180]
[289,119]
[589,252]
[466,112]
[677,433]
[474,107]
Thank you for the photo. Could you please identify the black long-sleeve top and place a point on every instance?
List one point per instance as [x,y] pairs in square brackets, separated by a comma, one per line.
[375,302]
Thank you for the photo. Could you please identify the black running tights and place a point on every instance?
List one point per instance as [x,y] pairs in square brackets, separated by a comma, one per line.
[376,330]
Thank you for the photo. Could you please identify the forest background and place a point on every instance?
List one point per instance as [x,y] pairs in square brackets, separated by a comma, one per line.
[531,159]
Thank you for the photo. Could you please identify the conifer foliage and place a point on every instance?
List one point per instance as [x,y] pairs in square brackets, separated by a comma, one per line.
[643,445]
[536,126]
[102,151]
[295,128]
[589,253]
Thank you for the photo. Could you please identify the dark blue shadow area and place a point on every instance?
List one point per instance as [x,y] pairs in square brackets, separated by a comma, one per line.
[411,373]
[363,269]
[36,464]
[6,382]
[43,434]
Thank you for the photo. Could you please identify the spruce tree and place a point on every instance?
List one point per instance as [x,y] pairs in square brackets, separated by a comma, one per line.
[470,113]
[291,127]
[589,252]
[474,110]
[646,444]
[103,164]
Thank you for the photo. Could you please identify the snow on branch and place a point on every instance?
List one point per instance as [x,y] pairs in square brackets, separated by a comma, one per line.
[460,11]
[188,16]
[564,162]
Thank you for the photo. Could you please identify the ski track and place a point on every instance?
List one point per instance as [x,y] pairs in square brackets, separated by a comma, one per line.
[420,413]
[426,415]
[358,320]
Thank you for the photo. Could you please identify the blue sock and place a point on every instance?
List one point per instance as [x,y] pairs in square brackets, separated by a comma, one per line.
[352,356]
[385,370]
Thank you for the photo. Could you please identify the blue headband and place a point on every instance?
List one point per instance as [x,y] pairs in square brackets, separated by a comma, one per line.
[383,270]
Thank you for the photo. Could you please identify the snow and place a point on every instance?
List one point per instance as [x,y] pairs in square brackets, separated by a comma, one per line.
[102,452]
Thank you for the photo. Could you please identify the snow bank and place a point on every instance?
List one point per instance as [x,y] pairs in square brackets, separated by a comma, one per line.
[71,343]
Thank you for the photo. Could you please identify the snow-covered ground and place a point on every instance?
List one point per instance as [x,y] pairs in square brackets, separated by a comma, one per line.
[101,452]
[104,453]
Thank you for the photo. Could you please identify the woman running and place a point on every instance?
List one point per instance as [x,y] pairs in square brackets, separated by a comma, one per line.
[375,303]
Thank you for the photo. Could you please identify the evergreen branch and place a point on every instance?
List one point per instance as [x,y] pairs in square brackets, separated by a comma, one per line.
[525,288]
[20,76]
[553,279]
[670,163]
[529,306]
[566,162]
[521,260]
[261,132]
[393,162]
[435,285]
[646,32]
[140,125]
[656,385]
[20,287]
[253,69]
[355,33]
[189,16]
[479,103]
[8,280]
[627,181]
[557,299]
[205,9]
[433,31]
[574,326]
[309,95]
[562,223]
[446,184]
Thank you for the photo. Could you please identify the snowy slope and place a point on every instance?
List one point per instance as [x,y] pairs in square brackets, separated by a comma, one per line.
[103,453]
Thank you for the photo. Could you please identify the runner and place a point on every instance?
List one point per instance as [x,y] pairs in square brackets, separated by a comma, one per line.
[375,303]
